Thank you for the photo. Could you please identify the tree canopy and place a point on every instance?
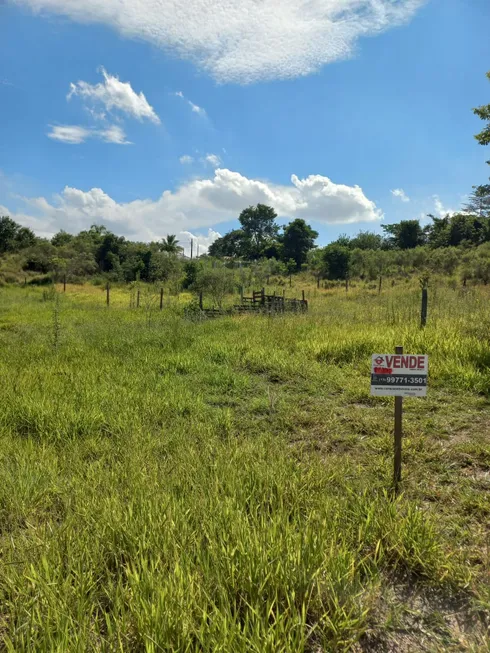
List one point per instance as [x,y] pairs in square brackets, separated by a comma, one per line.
[405,234]
[259,226]
[298,239]
[13,237]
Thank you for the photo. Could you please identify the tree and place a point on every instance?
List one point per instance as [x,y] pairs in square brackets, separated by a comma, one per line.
[24,238]
[61,238]
[232,244]
[483,113]
[479,201]
[191,270]
[469,229]
[163,266]
[437,233]
[406,234]
[336,260]
[14,237]
[218,282]
[366,240]
[170,244]
[297,240]
[259,227]
[109,249]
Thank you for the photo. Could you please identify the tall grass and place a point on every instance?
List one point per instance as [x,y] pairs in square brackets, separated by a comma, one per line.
[224,485]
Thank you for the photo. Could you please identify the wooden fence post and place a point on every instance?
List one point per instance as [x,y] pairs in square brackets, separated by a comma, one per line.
[200,300]
[161,299]
[346,284]
[397,471]
[64,283]
[318,281]
[379,287]
[138,299]
[263,296]
[108,290]
[423,313]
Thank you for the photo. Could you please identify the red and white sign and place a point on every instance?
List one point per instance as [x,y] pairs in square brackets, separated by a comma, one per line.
[399,375]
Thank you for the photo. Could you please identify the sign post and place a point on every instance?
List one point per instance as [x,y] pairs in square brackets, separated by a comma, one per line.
[397,472]
[399,376]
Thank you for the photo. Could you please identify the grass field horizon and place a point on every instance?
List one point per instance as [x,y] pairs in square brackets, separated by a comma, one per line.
[225,485]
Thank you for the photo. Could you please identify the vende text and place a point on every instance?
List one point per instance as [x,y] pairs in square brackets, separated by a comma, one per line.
[405,362]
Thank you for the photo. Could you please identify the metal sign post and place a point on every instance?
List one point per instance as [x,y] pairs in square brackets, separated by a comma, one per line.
[399,376]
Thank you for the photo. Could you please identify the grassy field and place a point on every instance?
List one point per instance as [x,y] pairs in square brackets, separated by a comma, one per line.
[224,485]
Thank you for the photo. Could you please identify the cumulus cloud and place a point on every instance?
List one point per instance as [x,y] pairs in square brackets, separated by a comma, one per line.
[439,209]
[186,159]
[202,203]
[115,95]
[194,107]
[201,242]
[400,193]
[213,159]
[245,40]
[76,134]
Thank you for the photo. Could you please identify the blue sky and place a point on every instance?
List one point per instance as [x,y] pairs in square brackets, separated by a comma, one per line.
[156,116]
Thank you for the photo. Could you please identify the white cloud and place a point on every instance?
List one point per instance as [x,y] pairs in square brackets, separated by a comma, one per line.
[201,242]
[76,134]
[202,203]
[244,40]
[439,209]
[213,159]
[73,134]
[197,109]
[113,134]
[114,94]
[400,193]
[186,159]
[194,107]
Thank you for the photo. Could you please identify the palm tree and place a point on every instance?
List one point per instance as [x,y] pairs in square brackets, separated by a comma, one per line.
[170,244]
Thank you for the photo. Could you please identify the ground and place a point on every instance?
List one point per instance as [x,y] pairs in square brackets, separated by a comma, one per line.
[179,485]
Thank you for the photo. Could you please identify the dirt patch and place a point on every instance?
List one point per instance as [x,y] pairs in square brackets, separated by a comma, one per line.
[410,619]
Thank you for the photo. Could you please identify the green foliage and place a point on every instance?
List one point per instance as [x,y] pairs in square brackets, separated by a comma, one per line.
[191,270]
[258,225]
[216,282]
[366,240]
[170,244]
[336,261]
[483,113]
[297,240]
[13,237]
[61,238]
[406,234]
[479,201]
[233,245]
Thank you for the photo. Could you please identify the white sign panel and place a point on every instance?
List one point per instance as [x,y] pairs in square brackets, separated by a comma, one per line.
[399,375]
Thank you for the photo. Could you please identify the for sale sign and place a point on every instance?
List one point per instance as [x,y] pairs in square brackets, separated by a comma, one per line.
[399,375]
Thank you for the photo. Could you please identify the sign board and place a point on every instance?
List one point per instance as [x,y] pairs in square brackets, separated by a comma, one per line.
[399,375]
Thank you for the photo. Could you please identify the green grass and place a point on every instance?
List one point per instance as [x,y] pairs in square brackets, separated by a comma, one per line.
[225,485]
